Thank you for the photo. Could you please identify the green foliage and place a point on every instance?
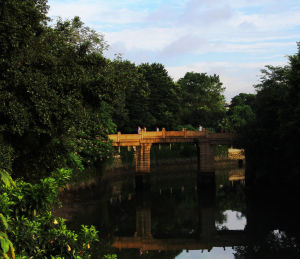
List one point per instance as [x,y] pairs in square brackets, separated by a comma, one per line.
[46,80]
[5,204]
[127,156]
[82,37]
[6,178]
[162,100]
[172,151]
[25,218]
[113,256]
[187,127]
[7,249]
[132,102]
[268,124]
[47,235]
[6,155]
[91,151]
[240,117]
[221,151]
[201,98]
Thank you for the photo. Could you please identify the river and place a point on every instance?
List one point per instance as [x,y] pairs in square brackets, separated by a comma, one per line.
[178,212]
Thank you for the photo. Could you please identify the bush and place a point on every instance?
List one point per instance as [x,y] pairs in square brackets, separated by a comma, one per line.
[25,218]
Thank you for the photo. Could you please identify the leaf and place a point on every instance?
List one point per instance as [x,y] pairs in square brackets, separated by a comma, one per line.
[4,245]
[12,249]
[6,178]
[4,221]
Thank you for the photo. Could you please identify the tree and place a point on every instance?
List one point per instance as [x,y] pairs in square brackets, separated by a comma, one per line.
[130,99]
[137,97]
[202,101]
[243,99]
[163,100]
[273,140]
[44,88]
[241,111]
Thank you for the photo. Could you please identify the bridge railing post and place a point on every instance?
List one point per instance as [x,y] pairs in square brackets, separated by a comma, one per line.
[184,132]
[163,132]
[118,136]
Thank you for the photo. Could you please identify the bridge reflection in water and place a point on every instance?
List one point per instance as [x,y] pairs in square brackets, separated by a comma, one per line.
[203,234]
[167,210]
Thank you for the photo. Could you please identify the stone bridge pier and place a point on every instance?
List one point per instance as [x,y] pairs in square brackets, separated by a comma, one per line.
[205,156]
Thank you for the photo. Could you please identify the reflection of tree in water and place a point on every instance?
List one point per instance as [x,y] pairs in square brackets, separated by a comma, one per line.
[230,198]
[174,150]
[273,227]
[275,244]
[179,206]
[175,215]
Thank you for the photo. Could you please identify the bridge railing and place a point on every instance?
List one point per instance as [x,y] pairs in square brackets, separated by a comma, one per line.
[157,134]
[152,134]
[119,137]
[196,133]
[161,136]
[174,133]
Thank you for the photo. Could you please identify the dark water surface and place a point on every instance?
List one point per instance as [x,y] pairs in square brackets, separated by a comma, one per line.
[181,213]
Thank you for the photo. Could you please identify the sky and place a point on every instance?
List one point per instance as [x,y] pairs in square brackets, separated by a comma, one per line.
[215,253]
[234,39]
[234,221]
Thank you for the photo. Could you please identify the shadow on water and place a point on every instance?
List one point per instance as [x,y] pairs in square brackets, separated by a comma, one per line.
[182,214]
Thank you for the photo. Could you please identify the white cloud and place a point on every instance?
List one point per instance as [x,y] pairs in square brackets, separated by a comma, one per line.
[148,38]
[269,22]
[196,15]
[185,44]
[175,32]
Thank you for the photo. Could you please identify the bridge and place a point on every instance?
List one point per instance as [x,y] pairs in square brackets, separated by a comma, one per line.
[142,142]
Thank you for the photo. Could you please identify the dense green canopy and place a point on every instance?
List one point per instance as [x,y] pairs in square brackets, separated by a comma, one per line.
[268,123]
[202,99]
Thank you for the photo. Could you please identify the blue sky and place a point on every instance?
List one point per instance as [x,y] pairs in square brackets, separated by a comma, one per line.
[232,38]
